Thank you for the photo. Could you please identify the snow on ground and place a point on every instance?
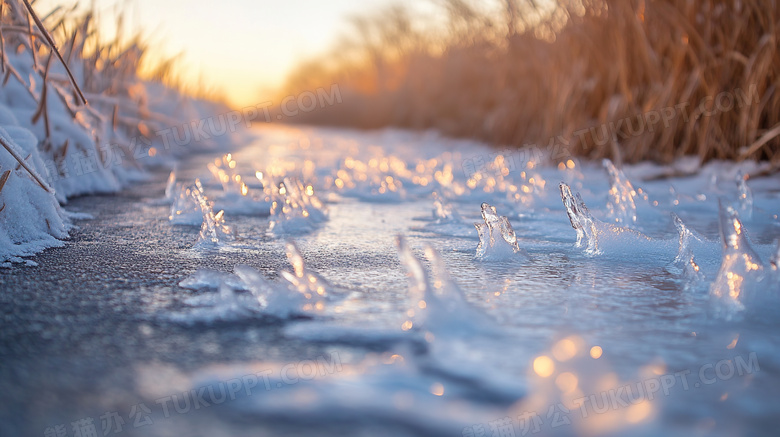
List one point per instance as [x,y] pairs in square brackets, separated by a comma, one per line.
[55,147]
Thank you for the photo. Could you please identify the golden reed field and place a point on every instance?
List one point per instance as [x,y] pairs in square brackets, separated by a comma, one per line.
[626,79]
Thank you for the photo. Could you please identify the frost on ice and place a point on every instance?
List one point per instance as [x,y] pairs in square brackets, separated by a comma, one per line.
[221,303]
[237,197]
[497,239]
[295,208]
[213,229]
[191,207]
[302,293]
[275,299]
[224,171]
[210,279]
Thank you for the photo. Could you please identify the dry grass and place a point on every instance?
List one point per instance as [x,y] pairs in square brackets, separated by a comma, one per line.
[22,162]
[22,31]
[107,72]
[517,74]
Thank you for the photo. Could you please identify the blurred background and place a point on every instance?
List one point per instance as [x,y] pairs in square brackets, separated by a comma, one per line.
[509,72]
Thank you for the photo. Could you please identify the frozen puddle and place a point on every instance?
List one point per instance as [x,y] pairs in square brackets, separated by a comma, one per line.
[562,298]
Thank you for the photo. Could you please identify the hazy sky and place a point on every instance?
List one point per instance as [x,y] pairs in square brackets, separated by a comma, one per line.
[245,47]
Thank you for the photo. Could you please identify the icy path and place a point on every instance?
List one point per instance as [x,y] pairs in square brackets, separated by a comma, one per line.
[351,331]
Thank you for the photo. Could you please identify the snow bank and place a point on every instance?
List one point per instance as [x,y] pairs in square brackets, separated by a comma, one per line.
[30,216]
[55,146]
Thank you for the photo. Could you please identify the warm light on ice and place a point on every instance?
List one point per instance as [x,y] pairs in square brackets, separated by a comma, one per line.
[544,366]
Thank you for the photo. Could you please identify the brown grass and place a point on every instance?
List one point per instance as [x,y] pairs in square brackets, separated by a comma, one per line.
[517,75]
[22,162]
[109,75]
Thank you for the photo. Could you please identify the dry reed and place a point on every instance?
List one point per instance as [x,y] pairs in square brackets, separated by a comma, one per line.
[517,73]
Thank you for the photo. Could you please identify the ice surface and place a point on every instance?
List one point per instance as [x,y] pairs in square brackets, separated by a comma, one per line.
[497,239]
[210,279]
[570,381]
[301,293]
[224,304]
[386,394]
[468,357]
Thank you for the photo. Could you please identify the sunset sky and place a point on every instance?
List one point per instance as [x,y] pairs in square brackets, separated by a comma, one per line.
[244,47]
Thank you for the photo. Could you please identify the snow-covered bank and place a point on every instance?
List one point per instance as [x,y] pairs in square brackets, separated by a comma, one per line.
[56,145]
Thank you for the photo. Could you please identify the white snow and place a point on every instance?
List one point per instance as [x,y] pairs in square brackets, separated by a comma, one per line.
[71,149]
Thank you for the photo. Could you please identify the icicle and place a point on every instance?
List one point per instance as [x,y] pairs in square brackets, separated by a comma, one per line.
[294,207]
[224,171]
[274,298]
[443,212]
[741,269]
[308,283]
[418,278]
[497,239]
[621,207]
[185,210]
[581,220]
[437,304]
[684,263]
[170,187]
[221,302]
[444,287]
[745,196]
[213,229]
